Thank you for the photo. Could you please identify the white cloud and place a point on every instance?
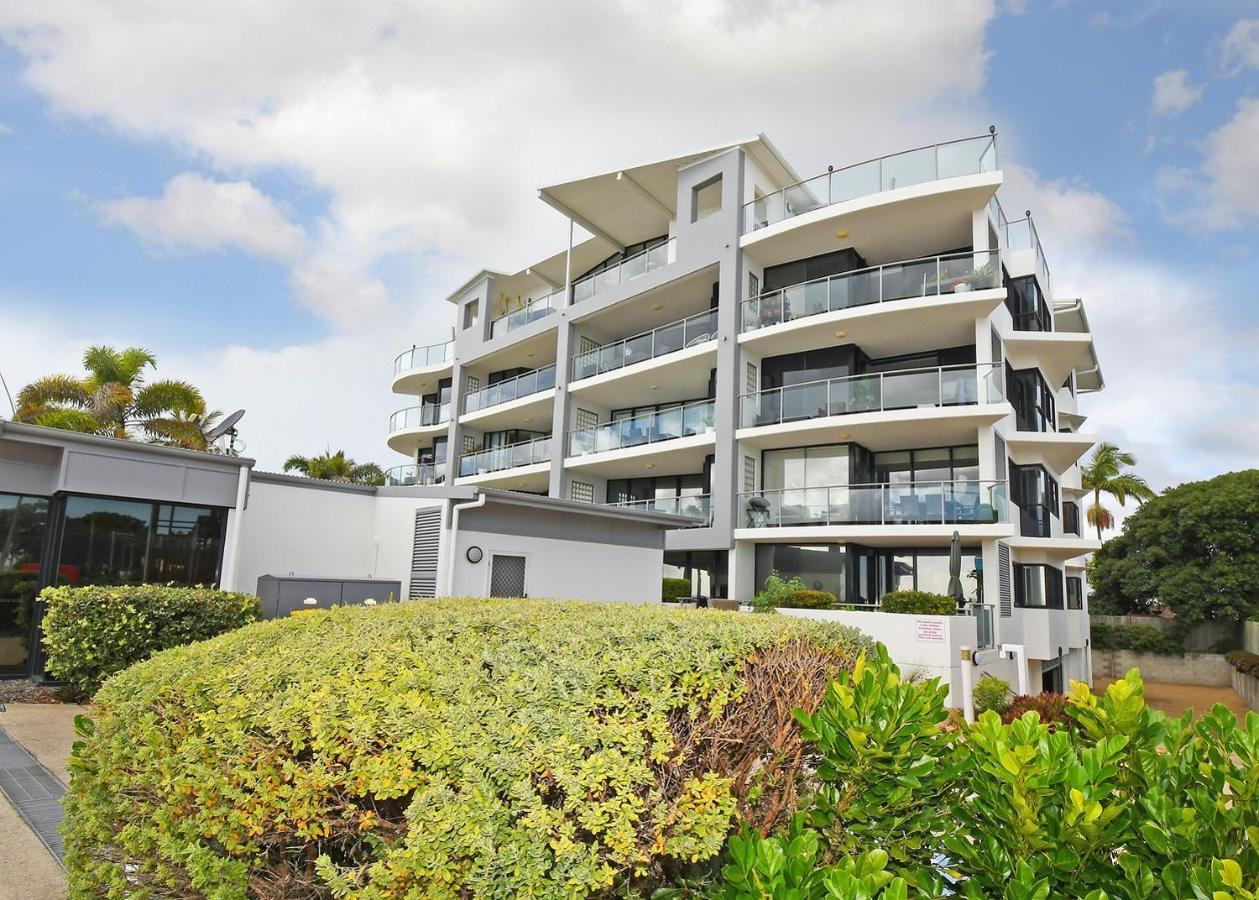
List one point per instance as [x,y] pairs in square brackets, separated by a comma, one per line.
[1223,192]
[1174,93]
[5,129]
[195,213]
[1240,48]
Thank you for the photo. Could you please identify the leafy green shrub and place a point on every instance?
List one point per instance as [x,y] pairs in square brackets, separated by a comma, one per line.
[1243,661]
[992,693]
[675,589]
[448,748]
[92,632]
[1138,638]
[1052,709]
[777,592]
[921,603]
[810,599]
[1126,803]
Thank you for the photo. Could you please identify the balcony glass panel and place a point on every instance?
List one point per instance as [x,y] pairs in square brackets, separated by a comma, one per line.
[926,277]
[534,382]
[627,270]
[922,503]
[422,357]
[406,476]
[647,428]
[509,456]
[965,157]
[532,311]
[425,416]
[698,507]
[658,342]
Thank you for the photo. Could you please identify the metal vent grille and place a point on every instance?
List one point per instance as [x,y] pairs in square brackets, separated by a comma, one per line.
[1002,467]
[1004,587]
[749,474]
[507,576]
[424,553]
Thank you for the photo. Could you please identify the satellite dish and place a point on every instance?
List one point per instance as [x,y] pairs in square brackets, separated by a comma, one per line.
[227,427]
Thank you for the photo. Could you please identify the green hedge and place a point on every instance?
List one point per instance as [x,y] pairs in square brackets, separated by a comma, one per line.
[92,632]
[1138,638]
[1243,661]
[449,748]
[810,599]
[920,603]
[675,589]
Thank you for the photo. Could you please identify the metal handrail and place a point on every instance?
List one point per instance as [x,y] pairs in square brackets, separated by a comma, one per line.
[958,502]
[599,356]
[690,419]
[539,451]
[524,314]
[861,287]
[1007,227]
[415,473]
[430,358]
[677,506]
[651,259]
[517,387]
[805,188]
[429,415]
[868,392]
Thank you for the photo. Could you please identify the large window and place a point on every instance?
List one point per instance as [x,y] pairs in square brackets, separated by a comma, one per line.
[819,566]
[1037,586]
[705,569]
[878,571]
[1033,401]
[1071,517]
[1036,493]
[1075,592]
[23,521]
[133,542]
[1027,305]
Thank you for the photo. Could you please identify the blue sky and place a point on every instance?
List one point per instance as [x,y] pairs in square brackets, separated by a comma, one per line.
[275,200]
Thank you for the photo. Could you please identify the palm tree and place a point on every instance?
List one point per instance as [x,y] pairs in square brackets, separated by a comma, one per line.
[1105,474]
[330,466]
[113,399]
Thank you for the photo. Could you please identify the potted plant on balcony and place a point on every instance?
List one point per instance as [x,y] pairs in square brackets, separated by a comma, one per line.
[980,275]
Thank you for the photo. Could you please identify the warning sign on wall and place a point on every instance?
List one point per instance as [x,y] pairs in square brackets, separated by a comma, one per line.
[929,630]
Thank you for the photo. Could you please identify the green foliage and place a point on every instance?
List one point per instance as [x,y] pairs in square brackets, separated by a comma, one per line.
[1126,803]
[806,598]
[1138,638]
[329,466]
[921,603]
[1194,548]
[1243,661]
[92,632]
[992,693]
[1051,708]
[450,748]
[777,592]
[675,589]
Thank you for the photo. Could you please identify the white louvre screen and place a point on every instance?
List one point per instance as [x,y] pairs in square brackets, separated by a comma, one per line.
[424,552]
[1004,586]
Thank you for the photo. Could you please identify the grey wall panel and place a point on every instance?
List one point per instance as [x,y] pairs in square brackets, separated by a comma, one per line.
[119,475]
[556,525]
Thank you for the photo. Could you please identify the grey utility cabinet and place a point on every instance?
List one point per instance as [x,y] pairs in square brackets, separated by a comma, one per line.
[282,595]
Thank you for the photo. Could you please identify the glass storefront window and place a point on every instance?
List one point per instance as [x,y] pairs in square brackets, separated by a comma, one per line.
[23,521]
[819,566]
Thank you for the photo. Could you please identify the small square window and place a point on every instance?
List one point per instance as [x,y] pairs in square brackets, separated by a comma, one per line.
[471,311]
[581,491]
[706,198]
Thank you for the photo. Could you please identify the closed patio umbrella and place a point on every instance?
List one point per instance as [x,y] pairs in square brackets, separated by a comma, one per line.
[955,569]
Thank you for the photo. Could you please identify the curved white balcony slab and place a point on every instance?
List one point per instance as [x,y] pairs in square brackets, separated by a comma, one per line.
[532,412]
[1056,449]
[1054,550]
[677,456]
[534,477]
[422,379]
[885,430]
[662,379]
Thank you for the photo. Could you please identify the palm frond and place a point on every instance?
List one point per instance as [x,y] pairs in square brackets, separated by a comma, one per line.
[366,473]
[163,397]
[176,432]
[68,420]
[51,392]
[131,365]
[298,463]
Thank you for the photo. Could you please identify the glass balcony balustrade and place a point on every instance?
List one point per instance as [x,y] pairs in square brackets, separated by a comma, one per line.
[650,344]
[423,357]
[1018,235]
[698,507]
[413,474]
[505,391]
[509,456]
[969,156]
[875,392]
[530,311]
[920,503]
[927,277]
[427,415]
[626,270]
[647,428]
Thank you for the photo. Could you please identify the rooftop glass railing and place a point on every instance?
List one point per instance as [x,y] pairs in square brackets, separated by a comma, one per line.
[1021,234]
[969,156]
[530,311]
[927,277]
[509,456]
[511,389]
[698,507]
[874,392]
[659,341]
[648,428]
[423,357]
[921,503]
[413,474]
[626,270]
[424,416]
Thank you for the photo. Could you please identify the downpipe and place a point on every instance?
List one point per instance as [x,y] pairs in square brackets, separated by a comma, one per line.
[448,577]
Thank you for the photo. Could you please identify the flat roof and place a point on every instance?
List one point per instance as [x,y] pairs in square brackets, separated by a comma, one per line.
[59,437]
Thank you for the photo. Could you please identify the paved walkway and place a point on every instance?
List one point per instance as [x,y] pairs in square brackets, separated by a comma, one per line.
[1174,699]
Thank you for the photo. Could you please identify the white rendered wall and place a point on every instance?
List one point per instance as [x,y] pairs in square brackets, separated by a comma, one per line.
[563,570]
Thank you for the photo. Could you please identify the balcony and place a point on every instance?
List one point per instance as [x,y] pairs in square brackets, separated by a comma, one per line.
[969,156]
[699,507]
[412,368]
[409,427]
[649,428]
[923,503]
[510,456]
[1020,237]
[626,270]
[531,311]
[511,389]
[957,273]
[876,392]
[680,335]
[410,475]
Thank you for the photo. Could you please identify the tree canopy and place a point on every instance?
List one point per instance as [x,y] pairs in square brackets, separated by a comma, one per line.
[330,466]
[1194,548]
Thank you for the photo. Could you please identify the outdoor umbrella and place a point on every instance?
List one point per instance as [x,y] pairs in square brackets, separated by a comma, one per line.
[955,568]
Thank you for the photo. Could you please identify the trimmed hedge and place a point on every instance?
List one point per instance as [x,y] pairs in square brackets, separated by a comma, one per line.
[1138,638]
[92,632]
[447,748]
[675,589]
[1243,661]
[922,603]
[809,599]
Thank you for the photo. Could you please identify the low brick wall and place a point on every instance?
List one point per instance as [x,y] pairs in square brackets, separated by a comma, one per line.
[1210,669]
[1199,638]
[1246,687]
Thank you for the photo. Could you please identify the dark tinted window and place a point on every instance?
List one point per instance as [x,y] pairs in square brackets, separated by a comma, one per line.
[23,521]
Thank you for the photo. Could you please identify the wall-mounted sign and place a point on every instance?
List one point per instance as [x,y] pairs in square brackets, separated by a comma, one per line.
[929,630]
[474,554]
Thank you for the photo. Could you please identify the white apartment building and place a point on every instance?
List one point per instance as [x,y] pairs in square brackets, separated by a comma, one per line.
[828,376]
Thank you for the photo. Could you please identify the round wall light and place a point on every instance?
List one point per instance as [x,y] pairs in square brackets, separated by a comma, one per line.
[474,554]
